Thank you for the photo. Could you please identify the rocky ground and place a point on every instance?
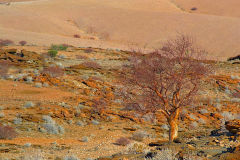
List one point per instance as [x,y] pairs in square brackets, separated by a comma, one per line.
[53,103]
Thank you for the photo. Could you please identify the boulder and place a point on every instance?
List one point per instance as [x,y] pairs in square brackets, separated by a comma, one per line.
[233,126]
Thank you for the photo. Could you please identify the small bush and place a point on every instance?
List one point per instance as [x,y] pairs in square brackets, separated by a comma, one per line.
[4,67]
[95,122]
[88,50]
[45,84]
[227,116]
[201,121]
[84,139]
[61,47]
[51,126]
[235,77]
[122,141]
[165,154]
[70,158]
[80,57]
[27,145]
[193,125]
[79,123]
[52,53]
[22,43]
[17,121]
[91,64]
[139,136]
[29,104]
[53,71]
[76,36]
[29,79]
[165,127]
[7,132]
[194,9]
[38,85]
[203,111]
[2,115]
[5,42]
[192,116]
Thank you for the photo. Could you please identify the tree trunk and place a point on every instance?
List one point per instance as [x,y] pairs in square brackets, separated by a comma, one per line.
[173,123]
[173,130]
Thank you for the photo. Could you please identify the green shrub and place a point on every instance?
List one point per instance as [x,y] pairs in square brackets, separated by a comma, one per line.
[60,47]
[52,53]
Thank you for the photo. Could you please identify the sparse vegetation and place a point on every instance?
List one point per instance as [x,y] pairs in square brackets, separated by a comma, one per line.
[122,141]
[4,67]
[29,104]
[51,126]
[139,136]
[166,80]
[60,47]
[5,42]
[22,43]
[76,36]
[92,65]
[52,53]
[7,132]
[53,71]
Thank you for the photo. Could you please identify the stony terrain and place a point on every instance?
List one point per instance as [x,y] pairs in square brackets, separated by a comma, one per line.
[51,102]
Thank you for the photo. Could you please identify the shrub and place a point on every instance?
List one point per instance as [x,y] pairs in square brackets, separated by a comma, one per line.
[165,127]
[201,121]
[193,125]
[192,116]
[7,132]
[29,104]
[22,43]
[95,122]
[91,64]
[84,139]
[4,67]
[235,77]
[52,53]
[53,71]
[2,115]
[17,121]
[79,123]
[27,145]
[45,84]
[165,154]
[51,126]
[70,158]
[122,141]
[88,50]
[5,42]
[29,79]
[76,36]
[194,9]
[203,111]
[61,47]
[139,136]
[137,148]
[227,116]
[33,155]
[80,57]
[38,85]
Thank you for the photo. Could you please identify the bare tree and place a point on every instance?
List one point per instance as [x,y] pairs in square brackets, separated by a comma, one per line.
[164,81]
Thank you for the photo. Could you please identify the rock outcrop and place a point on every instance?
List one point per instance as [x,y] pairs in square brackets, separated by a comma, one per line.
[233,126]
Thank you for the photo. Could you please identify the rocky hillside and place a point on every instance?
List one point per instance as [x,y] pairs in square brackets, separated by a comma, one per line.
[61,102]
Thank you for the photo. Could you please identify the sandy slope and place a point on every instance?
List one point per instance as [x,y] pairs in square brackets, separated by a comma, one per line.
[122,22]
[216,7]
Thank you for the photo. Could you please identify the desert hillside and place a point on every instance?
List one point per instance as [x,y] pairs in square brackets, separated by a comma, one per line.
[123,23]
[119,80]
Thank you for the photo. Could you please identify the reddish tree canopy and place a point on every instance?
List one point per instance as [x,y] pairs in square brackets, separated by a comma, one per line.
[164,80]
